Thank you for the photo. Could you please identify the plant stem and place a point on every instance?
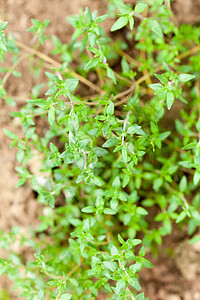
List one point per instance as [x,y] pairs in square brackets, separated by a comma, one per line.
[58,65]
[58,296]
[7,75]
[124,126]
[72,104]
[74,270]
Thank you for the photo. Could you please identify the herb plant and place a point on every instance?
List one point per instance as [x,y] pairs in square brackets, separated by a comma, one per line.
[110,157]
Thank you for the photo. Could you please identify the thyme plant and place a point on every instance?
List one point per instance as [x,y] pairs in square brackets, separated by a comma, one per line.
[110,157]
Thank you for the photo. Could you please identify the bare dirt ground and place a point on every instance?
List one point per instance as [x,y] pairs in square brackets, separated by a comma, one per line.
[170,279]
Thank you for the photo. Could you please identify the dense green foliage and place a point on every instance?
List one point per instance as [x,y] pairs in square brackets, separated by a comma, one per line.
[110,160]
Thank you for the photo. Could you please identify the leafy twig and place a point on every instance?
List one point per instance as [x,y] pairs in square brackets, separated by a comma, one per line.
[58,65]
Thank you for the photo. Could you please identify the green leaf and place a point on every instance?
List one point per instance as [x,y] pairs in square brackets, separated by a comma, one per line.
[157,183]
[185,77]
[66,297]
[109,211]
[92,64]
[52,90]
[10,101]
[20,155]
[3,26]
[110,109]
[120,286]
[155,27]
[112,266]
[80,163]
[46,23]
[51,76]
[73,20]
[51,201]
[183,184]
[125,65]
[197,159]
[164,135]
[181,217]
[10,134]
[121,22]
[196,177]
[83,143]
[131,22]
[39,102]
[29,133]
[170,100]
[162,78]
[40,295]
[135,129]
[124,154]
[140,7]
[146,263]
[122,196]
[71,84]
[3,45]
[36,90]
[141,211]
[93,132]
[114,203]
[142,251]
[102,18]
[198,125]
[134,283]
[114,251]
[116,183]
[95,261]
[20,182]
[123,8]
[97,181]
[140,296]
[3,270]
[194,240]
[120,239]
[42,227]
[111,75]
[111,142]
[74,123]
[155,86]
[53,148]
[126,180]
[51,115]
[100,151]
[135,267]
[92,39]
[88,209]
[81,177]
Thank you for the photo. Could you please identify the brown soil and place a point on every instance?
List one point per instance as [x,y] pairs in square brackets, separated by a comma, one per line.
[168,280]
